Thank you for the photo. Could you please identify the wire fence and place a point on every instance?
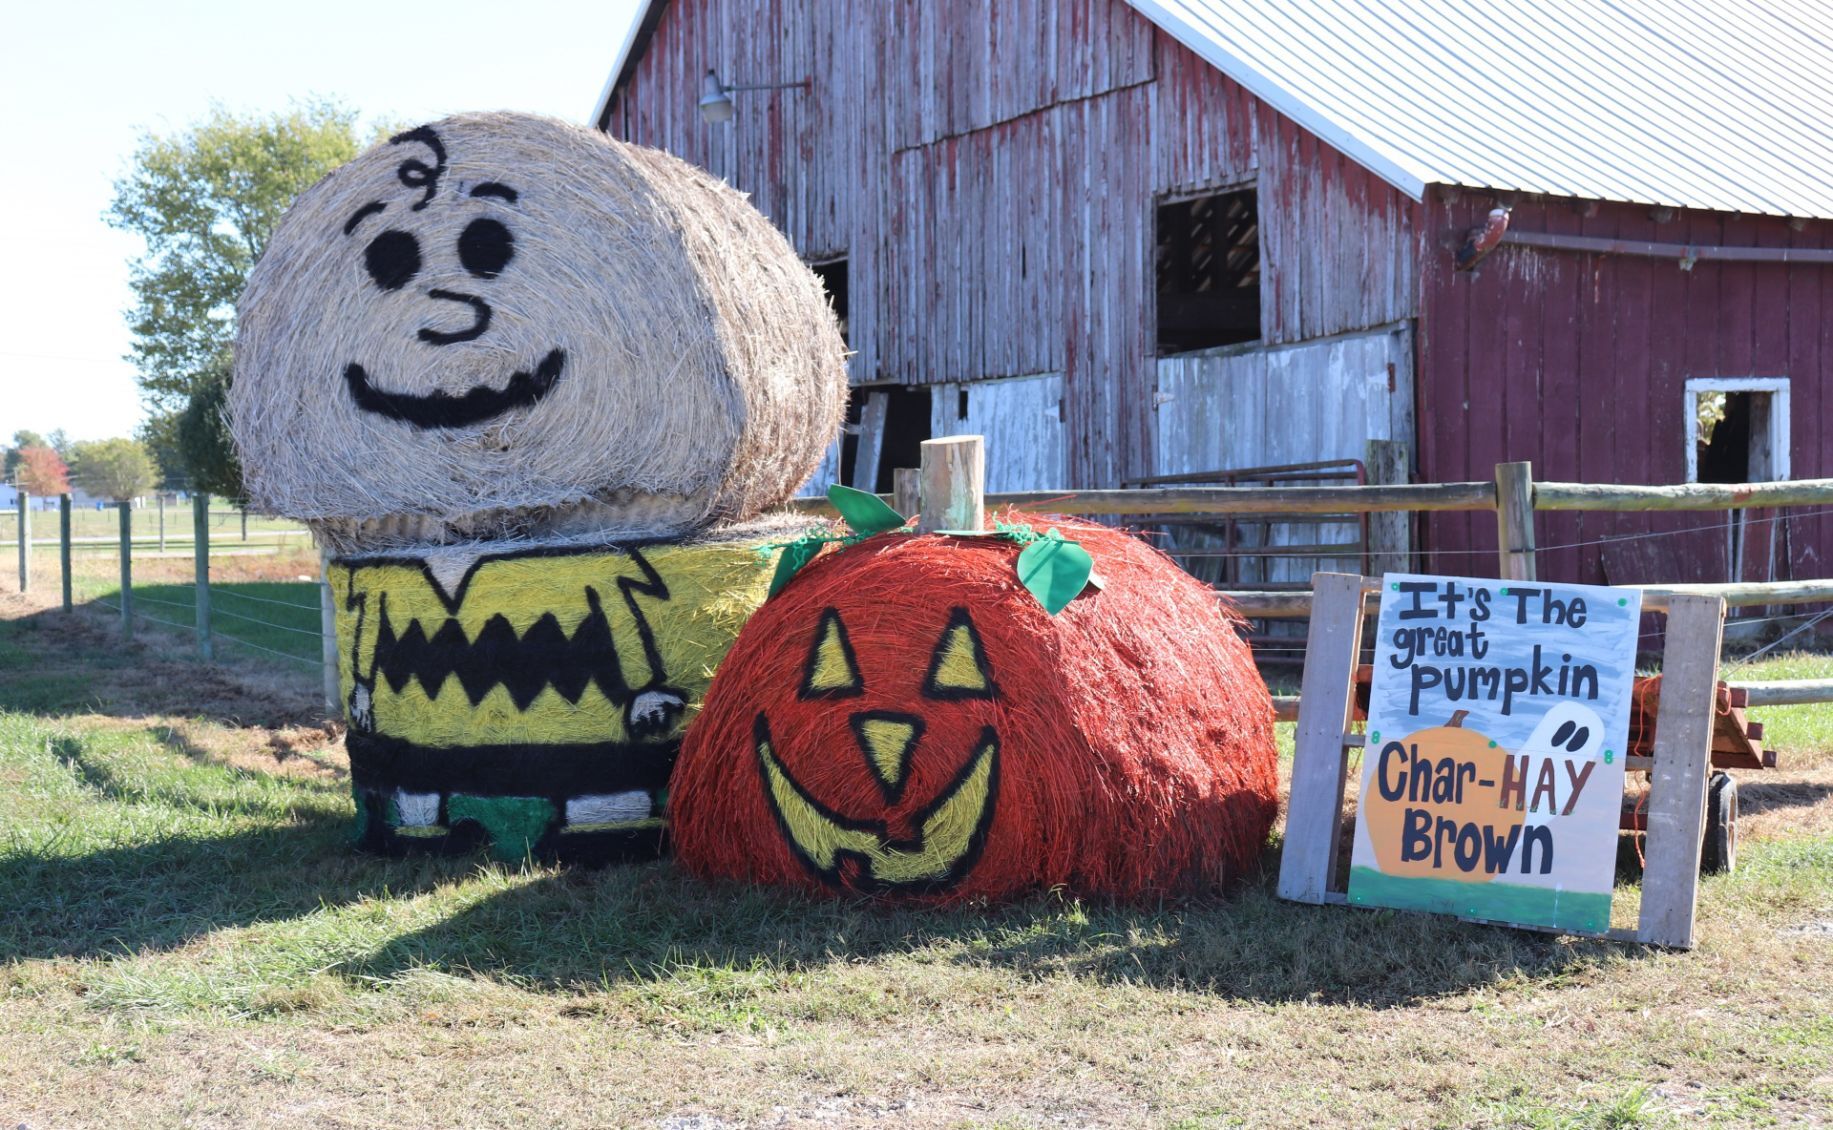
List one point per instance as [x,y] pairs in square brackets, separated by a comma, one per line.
[210,616]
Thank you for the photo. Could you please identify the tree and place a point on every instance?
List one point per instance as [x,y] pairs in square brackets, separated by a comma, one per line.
[22,439]
[205,201]
[203,438]
[41,472]
[119,469]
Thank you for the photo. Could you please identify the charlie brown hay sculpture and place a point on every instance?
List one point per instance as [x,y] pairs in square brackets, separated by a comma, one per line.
[906,718]
[534,387]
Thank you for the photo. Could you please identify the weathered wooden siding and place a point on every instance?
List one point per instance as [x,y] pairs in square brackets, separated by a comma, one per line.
[1022,420]
[1235,408]
[991,171]
[1578,362]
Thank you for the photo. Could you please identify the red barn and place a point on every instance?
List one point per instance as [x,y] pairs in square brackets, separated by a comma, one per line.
[1169,237]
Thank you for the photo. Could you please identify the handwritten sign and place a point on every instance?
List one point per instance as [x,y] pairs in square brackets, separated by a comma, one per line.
[1493,772]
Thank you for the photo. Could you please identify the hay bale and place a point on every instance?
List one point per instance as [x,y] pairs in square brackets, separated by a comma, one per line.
[506,325]
[904,718]
[534,696]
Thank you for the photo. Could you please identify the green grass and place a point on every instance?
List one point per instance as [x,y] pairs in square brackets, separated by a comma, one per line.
[187,938]
[277,616]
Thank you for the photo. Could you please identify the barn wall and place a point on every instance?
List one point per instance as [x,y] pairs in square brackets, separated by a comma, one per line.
[1578,362]
[991,172]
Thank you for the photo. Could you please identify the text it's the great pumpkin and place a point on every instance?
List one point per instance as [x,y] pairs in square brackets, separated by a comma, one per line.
[905,718]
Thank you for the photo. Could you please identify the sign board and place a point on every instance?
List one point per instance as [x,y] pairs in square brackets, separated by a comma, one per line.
[1498,724]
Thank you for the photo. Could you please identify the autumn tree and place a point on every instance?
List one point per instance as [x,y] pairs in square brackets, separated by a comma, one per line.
[41,471]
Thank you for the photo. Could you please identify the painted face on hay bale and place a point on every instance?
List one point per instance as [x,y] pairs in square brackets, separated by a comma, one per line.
[904,718]
[500,324]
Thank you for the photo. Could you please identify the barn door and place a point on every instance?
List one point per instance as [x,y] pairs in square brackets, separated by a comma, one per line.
[1239,407]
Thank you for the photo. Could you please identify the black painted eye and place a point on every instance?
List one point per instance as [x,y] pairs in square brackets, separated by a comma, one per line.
[393,259]
[485,248]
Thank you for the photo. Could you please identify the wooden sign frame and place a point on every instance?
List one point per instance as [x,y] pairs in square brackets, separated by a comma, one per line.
[1308,870]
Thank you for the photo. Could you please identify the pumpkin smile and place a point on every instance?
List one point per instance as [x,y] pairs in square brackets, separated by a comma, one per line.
[951,829]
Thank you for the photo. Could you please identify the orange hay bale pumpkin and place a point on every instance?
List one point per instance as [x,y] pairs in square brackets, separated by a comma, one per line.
[904,718]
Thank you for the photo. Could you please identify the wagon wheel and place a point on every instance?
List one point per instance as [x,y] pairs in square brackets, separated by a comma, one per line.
[1719,854]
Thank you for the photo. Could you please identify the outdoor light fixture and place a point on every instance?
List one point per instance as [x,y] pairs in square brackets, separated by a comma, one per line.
[716,97]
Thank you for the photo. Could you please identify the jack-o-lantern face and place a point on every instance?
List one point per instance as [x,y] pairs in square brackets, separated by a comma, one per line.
[924,838]
[500,324]
[904,718]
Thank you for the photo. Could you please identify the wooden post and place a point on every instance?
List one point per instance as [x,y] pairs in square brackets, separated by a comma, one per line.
[25,542]
[1390,532]
[1683,752]
[1314,811]
[327,637]
[906,490]
[1515,520]
[127,567]
[160,495]
[200,553]
[953,484]
[63,548]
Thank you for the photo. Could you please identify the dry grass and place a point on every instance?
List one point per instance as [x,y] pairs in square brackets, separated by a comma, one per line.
[189,942]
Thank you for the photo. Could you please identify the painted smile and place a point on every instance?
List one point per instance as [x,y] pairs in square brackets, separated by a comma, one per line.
[952,829]
[441,409]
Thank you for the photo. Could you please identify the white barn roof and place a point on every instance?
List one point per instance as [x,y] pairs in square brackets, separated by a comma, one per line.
[1717,104]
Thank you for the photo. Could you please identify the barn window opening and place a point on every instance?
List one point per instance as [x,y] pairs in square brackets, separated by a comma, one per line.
[833,276]
[1208,267]
[1739,430]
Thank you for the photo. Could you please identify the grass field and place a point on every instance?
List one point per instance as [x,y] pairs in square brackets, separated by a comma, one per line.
[188,940]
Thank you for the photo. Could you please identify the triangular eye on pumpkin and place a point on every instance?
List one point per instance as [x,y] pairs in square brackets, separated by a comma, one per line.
[958,668]
[832,670]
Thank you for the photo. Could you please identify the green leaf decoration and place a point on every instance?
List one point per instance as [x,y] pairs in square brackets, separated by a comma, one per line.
[1055,569]
[864,513]
[795,555]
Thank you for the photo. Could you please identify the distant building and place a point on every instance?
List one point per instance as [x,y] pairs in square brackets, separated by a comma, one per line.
[1169,237]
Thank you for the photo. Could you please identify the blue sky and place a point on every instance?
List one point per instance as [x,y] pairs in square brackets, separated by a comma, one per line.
[79,81]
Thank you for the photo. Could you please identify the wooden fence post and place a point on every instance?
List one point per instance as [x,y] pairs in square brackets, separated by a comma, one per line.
[127,567]
[906,490]
[1390,532]
[1683,754]
[25,542]
[327,637]
[63,548]
[953,484]
[1515,520]
[1314,809]
[160,495]
[200,555]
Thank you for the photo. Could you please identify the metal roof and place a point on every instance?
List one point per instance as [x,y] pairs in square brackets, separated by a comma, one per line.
[1717,104]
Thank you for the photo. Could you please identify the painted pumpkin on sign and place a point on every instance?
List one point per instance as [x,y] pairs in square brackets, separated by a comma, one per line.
[904,718]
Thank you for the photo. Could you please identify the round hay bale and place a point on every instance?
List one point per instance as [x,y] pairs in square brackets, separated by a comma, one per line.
[904,718]
[534,696]
[505,325]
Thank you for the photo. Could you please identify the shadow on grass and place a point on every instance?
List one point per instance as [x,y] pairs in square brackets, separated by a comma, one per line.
[158,896]
[650,923]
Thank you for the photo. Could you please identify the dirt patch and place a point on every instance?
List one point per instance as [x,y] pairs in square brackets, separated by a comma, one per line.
[267,717]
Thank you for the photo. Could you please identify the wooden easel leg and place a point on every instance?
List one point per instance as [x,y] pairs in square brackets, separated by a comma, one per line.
[1314,813]
[1683,752]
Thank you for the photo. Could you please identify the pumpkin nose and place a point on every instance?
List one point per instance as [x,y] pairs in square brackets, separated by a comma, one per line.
[887,740]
